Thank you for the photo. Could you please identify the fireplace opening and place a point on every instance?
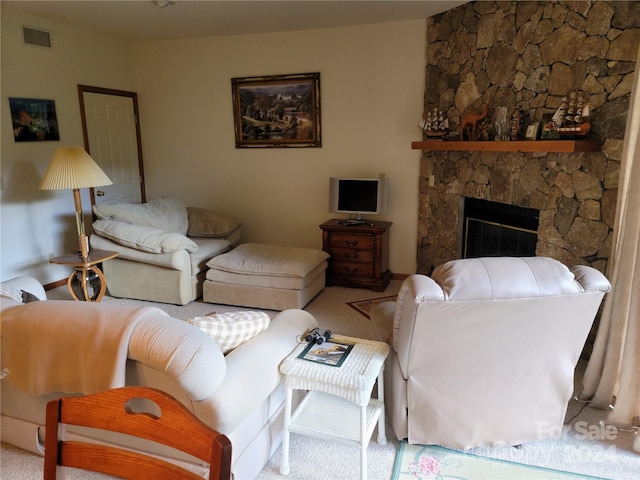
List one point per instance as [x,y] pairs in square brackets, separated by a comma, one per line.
[492,229]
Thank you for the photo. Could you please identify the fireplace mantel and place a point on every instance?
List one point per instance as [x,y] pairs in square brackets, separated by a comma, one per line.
[515,146]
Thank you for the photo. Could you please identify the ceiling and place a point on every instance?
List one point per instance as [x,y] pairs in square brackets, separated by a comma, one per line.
[143,20]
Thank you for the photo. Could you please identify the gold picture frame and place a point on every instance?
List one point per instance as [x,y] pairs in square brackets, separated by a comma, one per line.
[277,111]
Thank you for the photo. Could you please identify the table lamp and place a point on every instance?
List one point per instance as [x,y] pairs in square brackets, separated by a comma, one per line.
[72,169]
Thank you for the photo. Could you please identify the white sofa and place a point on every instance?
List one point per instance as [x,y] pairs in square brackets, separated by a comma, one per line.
[484,351]
[163,247]
[240,394]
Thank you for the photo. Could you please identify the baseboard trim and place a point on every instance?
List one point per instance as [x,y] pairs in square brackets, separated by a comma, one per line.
[51,286]
[399,276]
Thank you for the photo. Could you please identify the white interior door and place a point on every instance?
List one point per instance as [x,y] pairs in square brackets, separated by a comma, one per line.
[112,137]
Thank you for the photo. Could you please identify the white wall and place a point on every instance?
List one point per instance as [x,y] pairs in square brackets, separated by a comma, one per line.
[36,225]
[372,85]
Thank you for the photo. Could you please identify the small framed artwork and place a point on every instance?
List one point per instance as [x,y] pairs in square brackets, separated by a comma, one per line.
[277,111]
[34,119]
[532,132]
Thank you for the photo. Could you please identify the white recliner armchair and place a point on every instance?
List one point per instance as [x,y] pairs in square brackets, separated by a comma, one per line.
[484,351]
[163,247]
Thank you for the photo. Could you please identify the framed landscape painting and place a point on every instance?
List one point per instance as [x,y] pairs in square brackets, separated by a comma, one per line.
[277,111]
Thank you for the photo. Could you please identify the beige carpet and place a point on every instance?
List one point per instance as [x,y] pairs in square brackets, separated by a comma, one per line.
[313,459]
[363,307]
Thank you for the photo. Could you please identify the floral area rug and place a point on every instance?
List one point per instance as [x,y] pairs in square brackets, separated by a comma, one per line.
[429,462]
[363,307]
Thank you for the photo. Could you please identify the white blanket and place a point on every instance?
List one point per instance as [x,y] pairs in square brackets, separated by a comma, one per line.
[71,347]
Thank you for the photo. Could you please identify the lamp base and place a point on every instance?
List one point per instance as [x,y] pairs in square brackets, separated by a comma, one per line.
[83,240]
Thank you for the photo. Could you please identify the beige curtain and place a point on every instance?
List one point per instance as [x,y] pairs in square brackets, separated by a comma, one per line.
[613,372]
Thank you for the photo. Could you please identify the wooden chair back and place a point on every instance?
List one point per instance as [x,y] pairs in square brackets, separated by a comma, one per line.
[119,410]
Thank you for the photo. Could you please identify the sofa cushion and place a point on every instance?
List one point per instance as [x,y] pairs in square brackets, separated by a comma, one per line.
[147,239]
[256,258]
[233,328]
[207,247]
[165,213]
[266,281]
[7,291]
[22,296]
[207,223]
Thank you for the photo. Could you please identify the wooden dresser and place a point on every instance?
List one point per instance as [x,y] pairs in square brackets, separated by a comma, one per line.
[359,254]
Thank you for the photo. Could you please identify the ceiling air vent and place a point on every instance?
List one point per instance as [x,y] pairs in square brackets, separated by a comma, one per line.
[36,37]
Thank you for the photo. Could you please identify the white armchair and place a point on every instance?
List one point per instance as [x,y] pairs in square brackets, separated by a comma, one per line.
[484,351]
[163,248]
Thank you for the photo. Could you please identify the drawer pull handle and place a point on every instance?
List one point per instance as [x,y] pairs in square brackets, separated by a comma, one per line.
[351,243]
[350,270]
[353,256]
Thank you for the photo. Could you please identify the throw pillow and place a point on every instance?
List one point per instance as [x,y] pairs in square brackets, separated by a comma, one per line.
[11,293]
[146,239]
[28,297]
[232,329]
[207,223]
[166,213]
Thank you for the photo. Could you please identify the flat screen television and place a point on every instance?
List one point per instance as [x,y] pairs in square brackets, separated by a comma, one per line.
[358,197]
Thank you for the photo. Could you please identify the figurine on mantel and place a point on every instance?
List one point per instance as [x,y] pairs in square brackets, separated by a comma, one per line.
[469,120]
[517,124]
[436,125]
[572,115]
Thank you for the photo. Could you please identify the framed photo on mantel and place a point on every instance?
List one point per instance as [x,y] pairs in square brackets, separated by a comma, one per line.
[277,111]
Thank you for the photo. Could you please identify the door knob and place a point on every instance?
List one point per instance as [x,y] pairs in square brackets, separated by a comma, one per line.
[100,193]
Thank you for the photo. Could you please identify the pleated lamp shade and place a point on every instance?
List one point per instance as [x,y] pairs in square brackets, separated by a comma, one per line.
[73,168]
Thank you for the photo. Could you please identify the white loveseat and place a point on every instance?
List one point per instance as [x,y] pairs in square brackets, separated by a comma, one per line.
[240,394]
[484,350]
[163,247]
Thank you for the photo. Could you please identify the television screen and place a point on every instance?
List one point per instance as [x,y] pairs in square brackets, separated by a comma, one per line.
[358,196]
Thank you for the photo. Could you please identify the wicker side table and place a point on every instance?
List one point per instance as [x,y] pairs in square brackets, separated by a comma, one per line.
[338,405]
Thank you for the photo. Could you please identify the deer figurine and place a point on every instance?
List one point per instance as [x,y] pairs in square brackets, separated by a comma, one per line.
[469,120]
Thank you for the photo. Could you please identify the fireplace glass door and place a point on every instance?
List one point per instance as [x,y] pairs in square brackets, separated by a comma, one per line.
[492,229]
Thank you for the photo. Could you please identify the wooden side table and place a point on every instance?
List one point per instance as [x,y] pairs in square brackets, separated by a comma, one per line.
[359,254]
[83,267]
[338,405]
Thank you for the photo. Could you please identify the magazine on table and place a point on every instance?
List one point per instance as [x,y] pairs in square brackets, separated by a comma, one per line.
[331,352]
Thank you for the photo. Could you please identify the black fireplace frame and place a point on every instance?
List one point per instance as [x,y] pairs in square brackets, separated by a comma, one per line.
[505,230]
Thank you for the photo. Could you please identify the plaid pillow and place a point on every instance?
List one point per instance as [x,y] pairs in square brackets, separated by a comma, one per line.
[233,328]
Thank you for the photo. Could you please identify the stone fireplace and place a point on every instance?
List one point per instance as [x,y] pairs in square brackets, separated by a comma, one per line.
[575,210]
[529,54]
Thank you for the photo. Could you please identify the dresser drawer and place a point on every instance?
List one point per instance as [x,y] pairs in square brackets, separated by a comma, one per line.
[359,254]
[352,269]
[340,240]
[352,255]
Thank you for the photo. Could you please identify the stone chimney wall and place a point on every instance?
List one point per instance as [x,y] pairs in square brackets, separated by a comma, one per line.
[529,54]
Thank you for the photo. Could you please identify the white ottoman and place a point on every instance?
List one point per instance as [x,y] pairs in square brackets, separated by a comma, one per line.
[262,276]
